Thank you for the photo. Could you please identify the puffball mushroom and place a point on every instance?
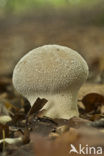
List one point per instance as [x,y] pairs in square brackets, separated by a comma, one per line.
[53,72]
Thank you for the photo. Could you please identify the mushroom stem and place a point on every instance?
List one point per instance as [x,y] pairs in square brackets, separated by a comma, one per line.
[64,103]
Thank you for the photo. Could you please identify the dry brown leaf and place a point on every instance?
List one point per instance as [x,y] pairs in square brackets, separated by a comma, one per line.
[92,101]
[39,103]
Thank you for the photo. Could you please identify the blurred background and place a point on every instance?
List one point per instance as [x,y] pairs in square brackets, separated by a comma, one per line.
[27,24]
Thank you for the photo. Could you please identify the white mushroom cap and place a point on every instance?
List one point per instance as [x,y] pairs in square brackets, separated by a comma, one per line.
[53,72]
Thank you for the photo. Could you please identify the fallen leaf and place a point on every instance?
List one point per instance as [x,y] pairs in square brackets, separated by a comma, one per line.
[92,101]
[39,103]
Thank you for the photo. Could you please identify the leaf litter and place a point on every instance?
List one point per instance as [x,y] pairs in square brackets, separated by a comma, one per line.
[23,130]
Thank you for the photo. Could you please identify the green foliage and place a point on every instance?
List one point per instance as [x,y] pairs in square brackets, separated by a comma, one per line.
[24,5]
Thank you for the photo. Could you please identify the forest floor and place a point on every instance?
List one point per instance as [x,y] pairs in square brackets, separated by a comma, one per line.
[25,132]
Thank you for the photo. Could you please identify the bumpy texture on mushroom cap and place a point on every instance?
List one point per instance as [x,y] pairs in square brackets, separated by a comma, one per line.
[50,70]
